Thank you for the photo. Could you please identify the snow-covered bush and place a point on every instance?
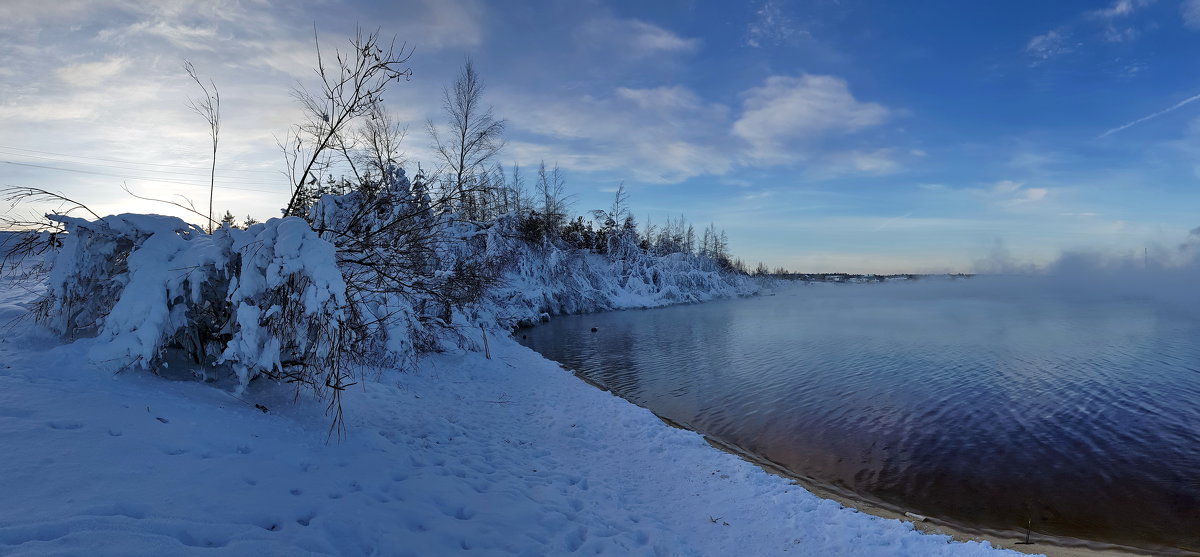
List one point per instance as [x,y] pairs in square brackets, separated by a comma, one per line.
[288,301]
[268,300]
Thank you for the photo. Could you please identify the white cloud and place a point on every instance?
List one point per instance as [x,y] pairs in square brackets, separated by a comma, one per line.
[1012,194]
[633,37]
[92,73]
[654,38]
[180,35]
[1113,34]
[1050,44]
[855,162]
[656,135]
[1120,8]
[668,134]
[786,111]
[662,98]
[877,162]
[1190,9]
[771,26]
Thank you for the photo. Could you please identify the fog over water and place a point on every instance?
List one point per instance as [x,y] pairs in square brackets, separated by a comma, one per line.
[1161,274]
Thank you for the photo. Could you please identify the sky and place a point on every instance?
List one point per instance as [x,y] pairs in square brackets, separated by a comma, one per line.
[822,135]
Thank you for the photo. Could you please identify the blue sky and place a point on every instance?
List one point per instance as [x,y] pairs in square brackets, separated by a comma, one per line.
[823,135]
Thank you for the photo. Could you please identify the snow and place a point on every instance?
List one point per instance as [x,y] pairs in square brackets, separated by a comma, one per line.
[507,456]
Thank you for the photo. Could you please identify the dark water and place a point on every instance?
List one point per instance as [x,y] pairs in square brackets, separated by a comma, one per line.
[989,410]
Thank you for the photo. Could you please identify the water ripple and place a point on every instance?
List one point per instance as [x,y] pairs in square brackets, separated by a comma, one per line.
[1084,419]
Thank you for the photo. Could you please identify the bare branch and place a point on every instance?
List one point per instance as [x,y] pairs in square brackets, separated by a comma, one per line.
[349,90]
[208,108]
[189,207]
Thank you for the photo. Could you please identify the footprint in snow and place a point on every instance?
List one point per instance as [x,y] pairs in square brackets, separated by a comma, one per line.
[576,539]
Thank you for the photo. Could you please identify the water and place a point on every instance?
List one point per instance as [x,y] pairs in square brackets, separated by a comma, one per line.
[989,410]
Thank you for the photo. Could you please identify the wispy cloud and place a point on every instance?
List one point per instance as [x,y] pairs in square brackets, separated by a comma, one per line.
[662,98]
[1120,8]
[1114,30]
[1010,194]
[91,73]
[1190,9]
[1046,46]
[878,162]
[185,37]
[771,26]
[634,37]
[1173,108]
[1116,26]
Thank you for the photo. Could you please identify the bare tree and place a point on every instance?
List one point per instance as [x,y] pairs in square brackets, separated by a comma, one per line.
[517,186]
[616,213]
[380,137]
[348,90]
[550,187]
[208,108]
[474,135]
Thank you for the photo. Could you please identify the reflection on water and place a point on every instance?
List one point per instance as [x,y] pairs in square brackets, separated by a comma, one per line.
[990,410]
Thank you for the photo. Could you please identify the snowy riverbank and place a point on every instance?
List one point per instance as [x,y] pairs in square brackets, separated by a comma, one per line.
[511,455]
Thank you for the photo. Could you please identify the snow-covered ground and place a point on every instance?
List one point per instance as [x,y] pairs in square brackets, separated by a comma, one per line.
[511,455]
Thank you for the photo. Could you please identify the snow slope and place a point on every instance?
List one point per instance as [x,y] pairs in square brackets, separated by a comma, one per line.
[508,456]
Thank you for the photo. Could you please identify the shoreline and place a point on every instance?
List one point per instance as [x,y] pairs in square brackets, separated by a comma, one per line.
[1040,544]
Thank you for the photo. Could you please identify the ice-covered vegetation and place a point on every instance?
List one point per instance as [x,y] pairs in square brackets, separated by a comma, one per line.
[367,268]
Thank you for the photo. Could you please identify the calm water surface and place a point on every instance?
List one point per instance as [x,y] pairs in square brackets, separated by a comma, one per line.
[988,409]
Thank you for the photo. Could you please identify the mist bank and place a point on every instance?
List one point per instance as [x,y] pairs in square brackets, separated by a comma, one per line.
[1165,275]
